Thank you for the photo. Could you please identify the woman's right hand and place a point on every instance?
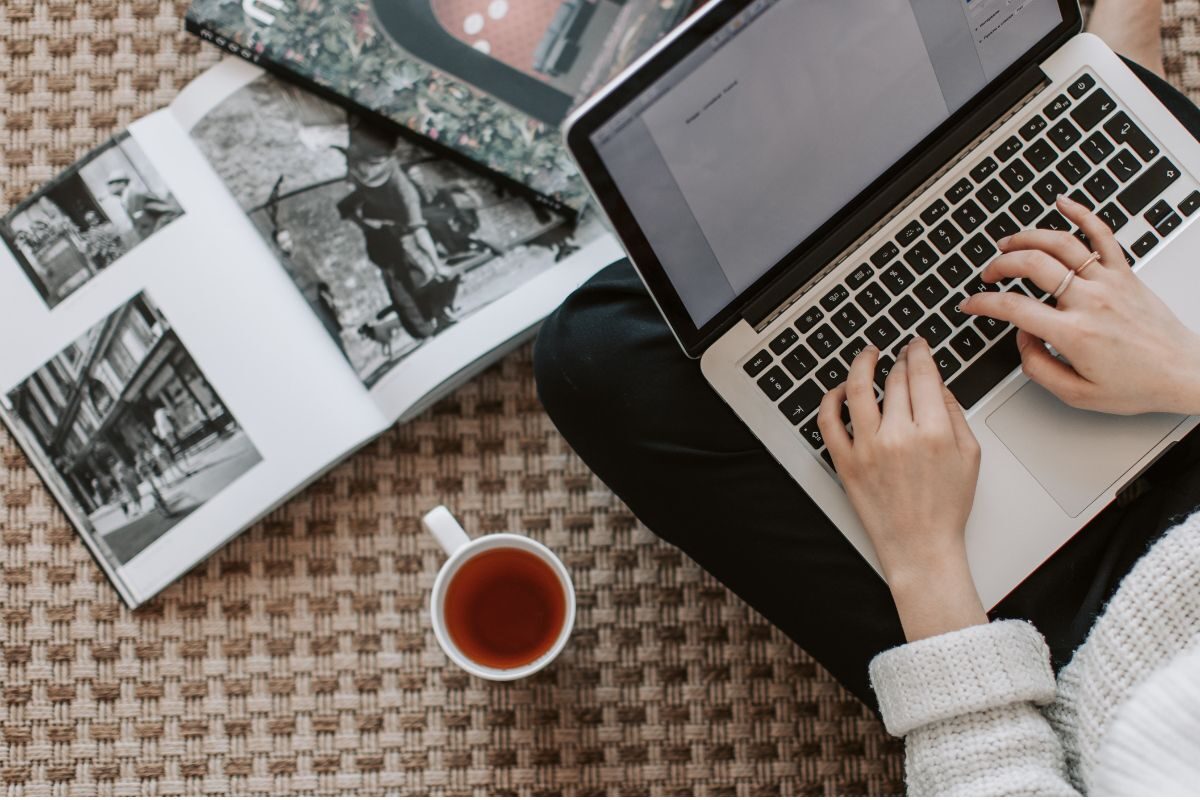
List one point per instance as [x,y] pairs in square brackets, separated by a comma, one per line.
[1125,351]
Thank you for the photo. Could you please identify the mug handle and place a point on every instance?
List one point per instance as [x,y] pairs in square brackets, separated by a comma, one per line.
[443,527]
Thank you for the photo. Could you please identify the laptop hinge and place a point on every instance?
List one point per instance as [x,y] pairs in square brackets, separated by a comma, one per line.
[941,158]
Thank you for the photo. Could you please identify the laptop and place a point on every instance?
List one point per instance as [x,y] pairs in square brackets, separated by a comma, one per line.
[795,179]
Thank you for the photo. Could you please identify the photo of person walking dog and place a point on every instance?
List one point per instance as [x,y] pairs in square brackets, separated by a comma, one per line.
[390,243]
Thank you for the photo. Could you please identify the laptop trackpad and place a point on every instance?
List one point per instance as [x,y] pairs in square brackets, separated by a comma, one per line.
[1075,455]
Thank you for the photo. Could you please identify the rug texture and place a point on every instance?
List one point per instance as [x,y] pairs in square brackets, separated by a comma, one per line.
[299,658]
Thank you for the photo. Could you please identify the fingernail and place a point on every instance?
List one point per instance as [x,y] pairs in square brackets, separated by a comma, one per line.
[870,349]
[1066,201]
[1003,243]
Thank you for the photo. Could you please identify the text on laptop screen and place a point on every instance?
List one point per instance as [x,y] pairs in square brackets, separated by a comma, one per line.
[753,142]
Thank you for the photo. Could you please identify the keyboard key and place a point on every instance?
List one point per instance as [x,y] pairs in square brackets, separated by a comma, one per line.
[1054,221]
[987,372]
[953,313]
[1016,176]
[1057,106]
[1124,165]
[1040,155]
[990,327]
[872,299]
[1144,245]
[824,341]
[1169,224]
[1026,208]
[1113,217]
[930,291]
[883,368]
[967,344]
[1190,204]
[1079,197]
[979,250]
[832,374]
[1049,187]
[835,297]
[809,319]
[1064,134]
[802,403]
[921,258]
[860,276]
[1009,148]
[758,363]
[1073,168]
[1080,87]
[851,351]
[799,362]
[954,270]
[1092,111]
[1032,128]
[896,278]
[909,233]
[958,191]
[902,343]
[1100,186]
[812,434]
[885,254]
[992,195]
[1123,131]
[828,459]
[969,216]
[983,169]
[905,312]
[945,236]
[1157,212]
[1001,226]
[1153,182]
[977,285]
[947,364]
[882,332]
[936,211]
[1097,147]
[774,383]
[786,338]
[1129,259]
[848,320]
[934,329]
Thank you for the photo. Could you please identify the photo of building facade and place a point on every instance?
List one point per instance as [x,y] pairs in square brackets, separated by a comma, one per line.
[131,430]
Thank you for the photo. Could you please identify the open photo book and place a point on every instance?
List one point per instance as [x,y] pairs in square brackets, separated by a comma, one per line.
[219,304]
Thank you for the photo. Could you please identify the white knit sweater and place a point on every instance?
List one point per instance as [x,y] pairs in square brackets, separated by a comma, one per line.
[982,715]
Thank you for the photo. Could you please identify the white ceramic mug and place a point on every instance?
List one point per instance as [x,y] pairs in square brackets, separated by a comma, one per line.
[460,548]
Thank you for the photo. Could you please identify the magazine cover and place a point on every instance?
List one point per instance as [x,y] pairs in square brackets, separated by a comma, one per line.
[491,79]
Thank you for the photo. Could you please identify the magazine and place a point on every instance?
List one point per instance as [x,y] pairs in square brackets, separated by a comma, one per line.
[220,303]
[489,79]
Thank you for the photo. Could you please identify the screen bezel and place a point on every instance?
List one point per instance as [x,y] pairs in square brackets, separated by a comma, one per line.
[626,87]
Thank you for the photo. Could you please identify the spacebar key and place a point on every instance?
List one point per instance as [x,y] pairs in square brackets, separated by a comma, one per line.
[986,373]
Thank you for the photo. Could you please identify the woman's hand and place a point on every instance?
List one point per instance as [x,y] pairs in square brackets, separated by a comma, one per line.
[910,472]
[1125,351]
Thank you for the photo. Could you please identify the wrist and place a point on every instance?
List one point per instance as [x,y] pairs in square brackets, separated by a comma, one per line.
[935,595]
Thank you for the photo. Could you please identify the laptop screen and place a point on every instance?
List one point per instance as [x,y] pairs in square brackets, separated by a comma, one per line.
[760,136]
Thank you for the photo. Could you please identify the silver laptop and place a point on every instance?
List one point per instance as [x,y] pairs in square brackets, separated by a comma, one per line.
[794,179]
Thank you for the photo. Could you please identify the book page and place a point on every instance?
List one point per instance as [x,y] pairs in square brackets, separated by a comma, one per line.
[416,267]
[169,384]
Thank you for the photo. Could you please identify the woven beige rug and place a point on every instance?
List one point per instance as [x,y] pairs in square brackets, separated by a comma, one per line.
[298,660]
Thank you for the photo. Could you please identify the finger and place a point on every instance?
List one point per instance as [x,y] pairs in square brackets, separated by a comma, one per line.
[860,392]
[958,421]
[829,420]
[1044,369]
[896,406]
[1040,267]
[1059,244]
[1099,235]
[925,386]
[1026,313]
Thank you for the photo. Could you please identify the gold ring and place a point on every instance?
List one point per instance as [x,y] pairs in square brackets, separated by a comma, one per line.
[1092,259]
[1062,287]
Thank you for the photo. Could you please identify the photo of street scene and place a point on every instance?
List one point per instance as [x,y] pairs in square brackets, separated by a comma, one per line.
[390,244]
[125,423]
[88,217]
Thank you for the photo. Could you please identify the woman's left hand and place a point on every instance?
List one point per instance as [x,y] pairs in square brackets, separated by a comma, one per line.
[910,471]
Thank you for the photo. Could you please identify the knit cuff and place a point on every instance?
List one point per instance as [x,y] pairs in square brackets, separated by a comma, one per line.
[974,669]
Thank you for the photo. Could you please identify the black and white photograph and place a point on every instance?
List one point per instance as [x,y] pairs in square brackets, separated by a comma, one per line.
[390,243]
[126,424]
[88,217]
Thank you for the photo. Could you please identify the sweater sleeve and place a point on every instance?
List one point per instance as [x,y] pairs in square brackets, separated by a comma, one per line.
[967,704]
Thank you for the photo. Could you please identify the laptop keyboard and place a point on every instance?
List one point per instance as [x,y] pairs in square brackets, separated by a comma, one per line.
[1082,144]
